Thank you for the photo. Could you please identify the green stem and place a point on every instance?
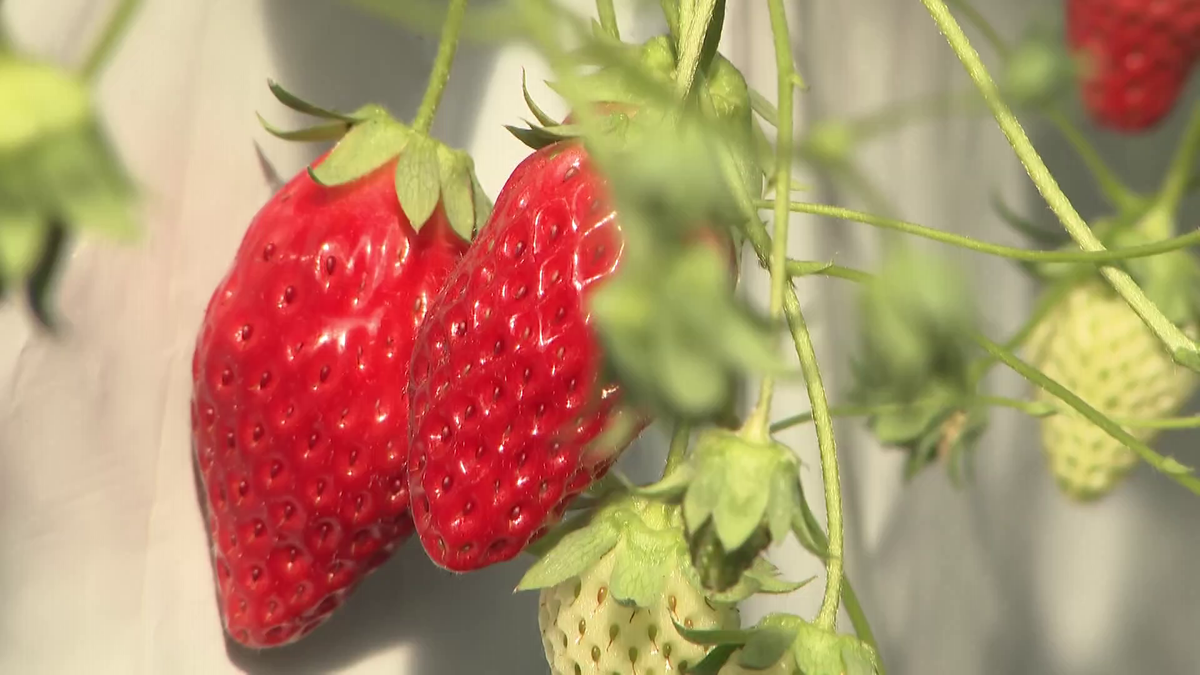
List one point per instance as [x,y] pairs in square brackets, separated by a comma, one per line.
[805,523]
[608,18]
[858,619]
[694,28]
[758,422]
[1101,255]
[678,448]
[1178,344]
[756,234]
[440,76]
[1179,174]
[985,27]
[823,420]
[1113,189]
[1167,465]
[118,23]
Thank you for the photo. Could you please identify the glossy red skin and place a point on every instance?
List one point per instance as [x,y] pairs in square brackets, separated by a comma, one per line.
[299,411]
[1141,53]
[505,382]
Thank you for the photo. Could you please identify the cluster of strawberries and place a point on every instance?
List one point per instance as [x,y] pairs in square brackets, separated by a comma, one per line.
[356,378]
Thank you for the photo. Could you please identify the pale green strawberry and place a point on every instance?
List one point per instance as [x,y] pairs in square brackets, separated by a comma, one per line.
[1096,346]
[585,630]
[612,592]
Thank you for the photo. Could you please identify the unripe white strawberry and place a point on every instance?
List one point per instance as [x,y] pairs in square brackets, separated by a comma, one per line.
[1096,346]
[585,630]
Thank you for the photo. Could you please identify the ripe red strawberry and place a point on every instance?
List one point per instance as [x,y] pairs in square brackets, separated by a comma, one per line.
[505,384]
[1140,54]
[299,412]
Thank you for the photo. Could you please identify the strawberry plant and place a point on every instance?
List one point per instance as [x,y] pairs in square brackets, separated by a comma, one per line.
[59,174]
[391,353]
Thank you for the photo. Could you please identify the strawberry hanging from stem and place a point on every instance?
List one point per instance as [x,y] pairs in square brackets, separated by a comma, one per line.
[299,413]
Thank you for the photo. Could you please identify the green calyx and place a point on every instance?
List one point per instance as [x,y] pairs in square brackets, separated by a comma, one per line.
[58,175]
[787,639]
[427,172]
[738,498]
[940,425]
[646,536]
[918,314]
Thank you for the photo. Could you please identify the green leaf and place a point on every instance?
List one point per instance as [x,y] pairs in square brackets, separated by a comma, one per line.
[743,501]
[856,663]
[703,494]
[84,184]
[784,501]
[40,100]
[366,147]
[640,570]
[321,132]
[22,239]
[483,205]
[808,532]
[717,636]
[573,555]
[671,487]
[300,105]
[766,646]
[539,114]
[764,108]
[714,661]
[457,192]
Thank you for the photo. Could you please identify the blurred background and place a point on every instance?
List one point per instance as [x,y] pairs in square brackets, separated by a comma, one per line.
[103,561]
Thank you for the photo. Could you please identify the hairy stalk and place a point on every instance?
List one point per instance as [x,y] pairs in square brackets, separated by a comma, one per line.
[442,64]
[692,32]
[608,18]
[1182,349]
[677,451]
[758,422]
[102,51]
[1096,256]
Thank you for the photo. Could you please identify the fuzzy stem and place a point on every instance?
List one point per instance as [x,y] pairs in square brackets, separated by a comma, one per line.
[1167,465]
[1179,174]
[608,18]
[758,422]
[102,51]
[1182,349]
[1113,189]
[678,448]
[443,62]
[1096,256]
[693,30]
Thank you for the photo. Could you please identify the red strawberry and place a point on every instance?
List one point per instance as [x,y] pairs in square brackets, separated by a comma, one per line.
[299,414]
[505,385]
[1140,52]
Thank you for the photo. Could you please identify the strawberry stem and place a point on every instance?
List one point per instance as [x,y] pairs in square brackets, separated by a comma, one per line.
[1167,465]
[695,23]
[1012,253]
[678,448]
[1182,169]
[1116,192]
[102,51]
[1182,349]
[608,18]
[443,62]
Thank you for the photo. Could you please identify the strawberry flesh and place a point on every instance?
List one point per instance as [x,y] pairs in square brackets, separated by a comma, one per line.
[1140,55]
[299,411]
[505,384]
